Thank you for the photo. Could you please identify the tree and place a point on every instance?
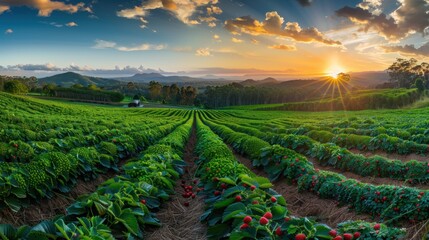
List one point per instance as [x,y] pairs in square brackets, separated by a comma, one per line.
[403,73]
[93,87]
[419,84]
[49,89]
[155,90]
[15,87]
[77,85]
[343,77]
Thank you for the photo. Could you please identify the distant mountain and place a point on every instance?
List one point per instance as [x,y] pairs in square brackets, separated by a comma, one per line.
[369,79]
[264,82]
[147,77]
[70,78]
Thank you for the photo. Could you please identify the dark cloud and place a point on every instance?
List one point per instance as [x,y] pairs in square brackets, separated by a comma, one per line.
[411,16]
[409,49]
[273,25]
[305,3]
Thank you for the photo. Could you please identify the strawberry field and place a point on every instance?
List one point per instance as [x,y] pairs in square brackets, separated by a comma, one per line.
[72,171]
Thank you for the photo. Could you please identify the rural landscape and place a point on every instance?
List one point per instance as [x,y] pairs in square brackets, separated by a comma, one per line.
[214,119]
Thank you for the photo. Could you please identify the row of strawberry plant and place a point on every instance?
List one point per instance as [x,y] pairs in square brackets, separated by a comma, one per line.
[23,183]
[241,205]
[330,154]
[122,206]
[386,201]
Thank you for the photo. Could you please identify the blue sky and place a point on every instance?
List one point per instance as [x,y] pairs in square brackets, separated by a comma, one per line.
[113,37]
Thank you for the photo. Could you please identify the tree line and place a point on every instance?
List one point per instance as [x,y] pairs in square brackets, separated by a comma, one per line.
[409,74]
[172,94]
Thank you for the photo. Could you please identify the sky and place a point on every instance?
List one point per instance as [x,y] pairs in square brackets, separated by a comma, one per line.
[210,37]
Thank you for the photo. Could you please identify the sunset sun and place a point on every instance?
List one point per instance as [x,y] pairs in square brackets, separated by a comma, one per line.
[333,71]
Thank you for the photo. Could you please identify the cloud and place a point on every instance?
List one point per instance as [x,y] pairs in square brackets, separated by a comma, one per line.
[214,10]
[72,24]
[273,25]
[212,24]
[305,3]
[34,67]
[236,40]
[203,52]
[216,38]
[45,7]
[283,47]
[410,49]
[102,44]
[8,31]
[183,10]
[409,17]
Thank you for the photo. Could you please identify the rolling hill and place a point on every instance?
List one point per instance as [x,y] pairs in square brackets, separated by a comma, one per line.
[70,78]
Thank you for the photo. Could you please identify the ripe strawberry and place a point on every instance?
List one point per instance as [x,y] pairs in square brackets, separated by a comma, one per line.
[186,204]
[223,186]
[216,193]
[244,226]
[273,199]
[194,196]
[253,187]
[356,235]
[333,233]
[300,236]
[279,231]
[263,221]
[247,219]
[338,238]
[377,226]
[268,215]
[287,219]
[143,201]
[238,198]
[348,236]
[254,202]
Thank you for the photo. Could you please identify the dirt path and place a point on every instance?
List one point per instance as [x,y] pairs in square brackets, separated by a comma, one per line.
[393,156]
[178,221]
[49,208]
[305,204]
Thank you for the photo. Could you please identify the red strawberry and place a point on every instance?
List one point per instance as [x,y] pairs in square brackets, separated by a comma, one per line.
[300,236]
[356,235]
[333,233]
[253,187]
[338,238]
[279,231]
[268,215]
[273,199]
[247,219]
[193,196]
[186,204]
[223,186]
[216,193]
[254,202]
[238,198]
[287,219]
[377,226]
[143,201]
[263,221]
[244,226]
[348,236]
